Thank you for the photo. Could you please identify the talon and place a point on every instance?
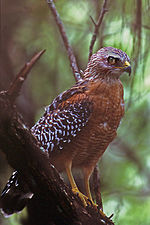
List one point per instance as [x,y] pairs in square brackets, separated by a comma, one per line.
[83,198]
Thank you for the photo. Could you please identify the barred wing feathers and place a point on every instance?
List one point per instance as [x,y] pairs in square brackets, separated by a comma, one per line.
[63,119]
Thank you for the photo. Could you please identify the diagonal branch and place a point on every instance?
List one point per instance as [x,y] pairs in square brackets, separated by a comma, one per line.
[23,154]
[17,83]
[68,47]
[97,26]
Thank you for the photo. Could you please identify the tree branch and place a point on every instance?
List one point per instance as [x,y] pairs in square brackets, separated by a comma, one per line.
[23,154]
[97,26]
[16,85]
[68,47]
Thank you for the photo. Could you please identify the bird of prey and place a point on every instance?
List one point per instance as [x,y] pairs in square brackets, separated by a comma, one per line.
[78,125]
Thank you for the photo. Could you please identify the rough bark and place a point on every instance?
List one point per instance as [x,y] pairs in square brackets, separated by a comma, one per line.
[53,199]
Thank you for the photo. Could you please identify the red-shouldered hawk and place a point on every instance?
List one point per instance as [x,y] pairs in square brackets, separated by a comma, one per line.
[78,126]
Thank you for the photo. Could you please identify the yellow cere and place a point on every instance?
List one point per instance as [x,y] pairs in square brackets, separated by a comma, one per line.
[126,63]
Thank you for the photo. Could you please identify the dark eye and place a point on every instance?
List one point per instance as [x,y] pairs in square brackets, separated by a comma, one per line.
[112,60]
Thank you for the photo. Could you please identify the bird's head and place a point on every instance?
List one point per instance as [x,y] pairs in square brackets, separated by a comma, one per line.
[108,62]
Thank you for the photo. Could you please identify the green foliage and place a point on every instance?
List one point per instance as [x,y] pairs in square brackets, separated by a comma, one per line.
[125,165]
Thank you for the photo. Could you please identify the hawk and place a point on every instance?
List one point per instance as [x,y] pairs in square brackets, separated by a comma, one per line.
[78,125]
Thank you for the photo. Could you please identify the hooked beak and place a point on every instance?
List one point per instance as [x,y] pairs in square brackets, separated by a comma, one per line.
[127,67]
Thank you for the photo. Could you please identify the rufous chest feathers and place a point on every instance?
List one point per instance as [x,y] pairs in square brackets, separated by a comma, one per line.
[108,102]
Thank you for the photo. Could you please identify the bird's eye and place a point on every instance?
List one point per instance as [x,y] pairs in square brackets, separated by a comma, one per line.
[112,60]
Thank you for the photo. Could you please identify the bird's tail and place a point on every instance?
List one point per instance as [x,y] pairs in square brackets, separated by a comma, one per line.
[15,195]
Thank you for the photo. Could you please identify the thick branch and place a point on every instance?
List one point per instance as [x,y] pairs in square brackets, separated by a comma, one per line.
[68,47]
[16,85]
[24,154]
[97,26]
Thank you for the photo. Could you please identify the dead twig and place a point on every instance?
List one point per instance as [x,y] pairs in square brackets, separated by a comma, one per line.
[68,47]
[97,26]
[17,83]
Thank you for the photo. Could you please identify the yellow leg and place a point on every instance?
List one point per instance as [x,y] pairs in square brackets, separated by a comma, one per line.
[87,188]
[70,177]
[74,187]
[87,174]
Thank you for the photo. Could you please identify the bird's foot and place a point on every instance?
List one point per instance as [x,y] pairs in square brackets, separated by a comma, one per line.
[88,202]
[83,198]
